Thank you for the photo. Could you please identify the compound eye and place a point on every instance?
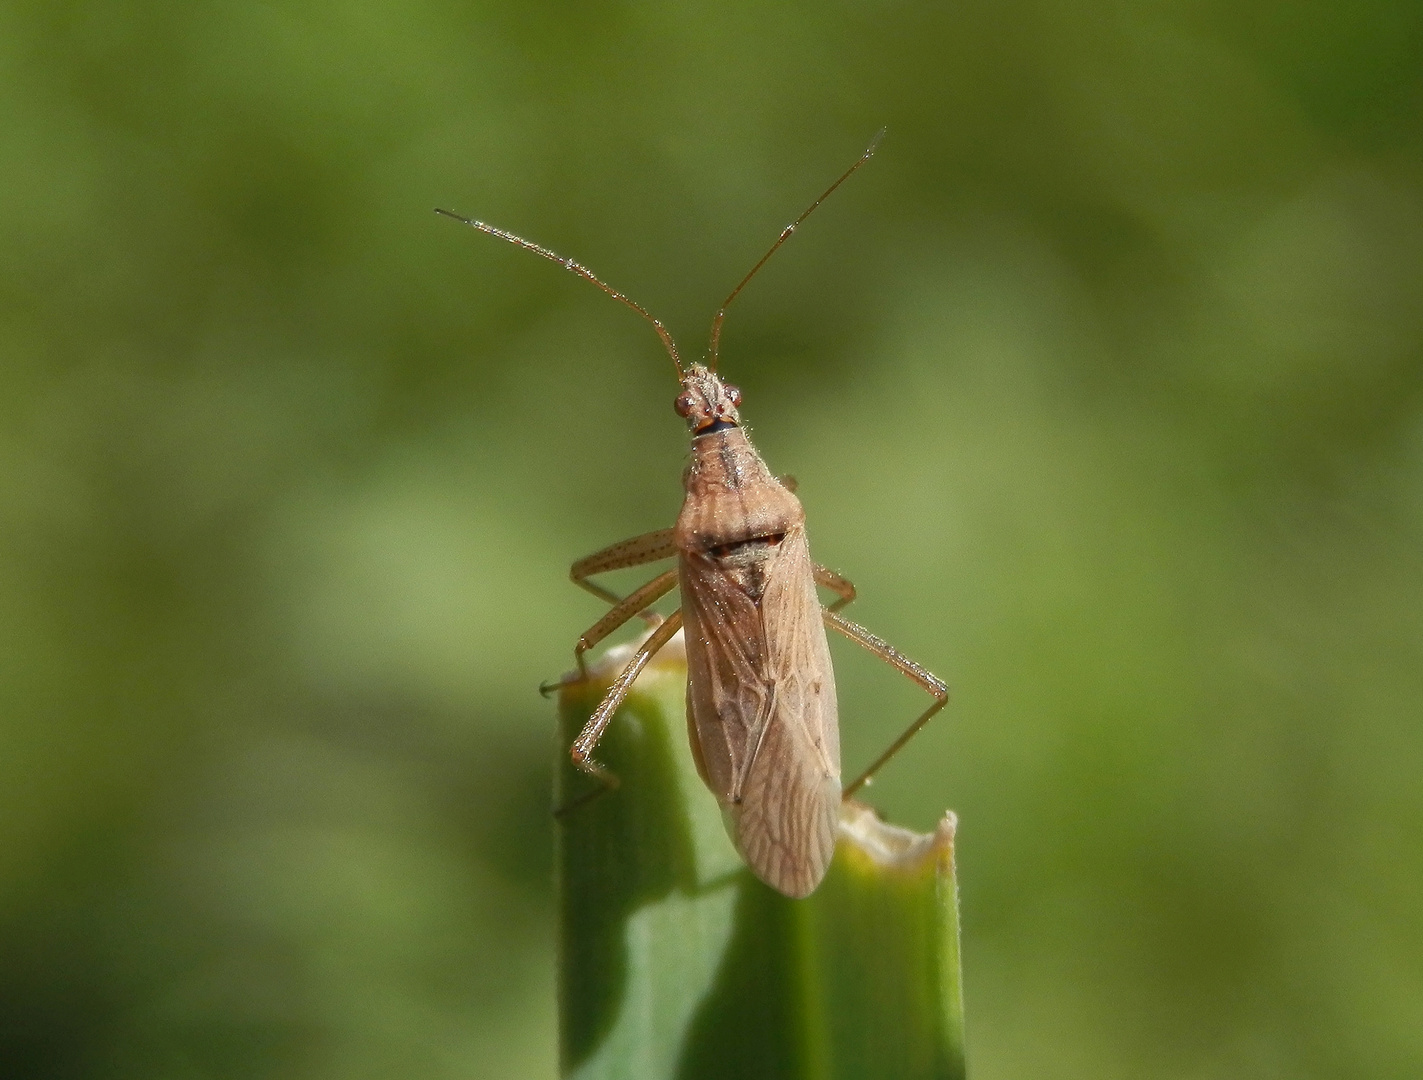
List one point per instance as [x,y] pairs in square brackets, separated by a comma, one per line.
[733,394]
[683,405]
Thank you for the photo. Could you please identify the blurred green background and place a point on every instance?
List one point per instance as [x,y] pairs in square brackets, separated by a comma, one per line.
[1103,381]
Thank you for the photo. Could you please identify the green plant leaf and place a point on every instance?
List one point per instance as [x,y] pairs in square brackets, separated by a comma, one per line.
[675,961]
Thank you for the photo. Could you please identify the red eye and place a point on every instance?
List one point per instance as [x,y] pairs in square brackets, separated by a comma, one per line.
[683,405]
[733,394]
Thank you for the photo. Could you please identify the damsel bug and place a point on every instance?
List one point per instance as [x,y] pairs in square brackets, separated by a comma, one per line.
[763,723]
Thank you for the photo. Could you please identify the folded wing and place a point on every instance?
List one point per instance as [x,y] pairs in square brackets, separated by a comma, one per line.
[761,700]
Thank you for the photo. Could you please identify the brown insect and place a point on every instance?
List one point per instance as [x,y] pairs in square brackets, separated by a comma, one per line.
[761,708]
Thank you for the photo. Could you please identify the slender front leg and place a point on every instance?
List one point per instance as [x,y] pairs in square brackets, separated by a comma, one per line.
[890,655]
[621,612]
[587,741]
[841,586]
[649,547]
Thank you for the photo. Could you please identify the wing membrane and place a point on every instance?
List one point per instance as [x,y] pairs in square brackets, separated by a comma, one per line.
[762,700]
[728,693]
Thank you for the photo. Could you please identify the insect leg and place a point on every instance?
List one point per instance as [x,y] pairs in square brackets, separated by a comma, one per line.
[649,547]
[842,586]
[890,655]
[622,611]
[583,746]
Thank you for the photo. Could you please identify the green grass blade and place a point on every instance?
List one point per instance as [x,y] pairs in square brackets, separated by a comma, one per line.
[676,962]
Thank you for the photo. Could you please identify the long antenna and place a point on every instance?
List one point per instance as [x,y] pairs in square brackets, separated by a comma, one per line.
[786,235]
[582,271]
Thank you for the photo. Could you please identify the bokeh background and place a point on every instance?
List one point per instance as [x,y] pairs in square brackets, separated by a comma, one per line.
[1104,382]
